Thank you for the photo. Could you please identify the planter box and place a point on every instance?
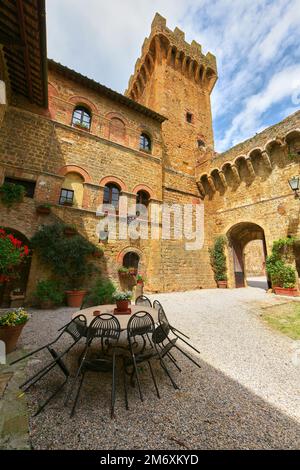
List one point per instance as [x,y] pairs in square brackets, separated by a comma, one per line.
[291,291]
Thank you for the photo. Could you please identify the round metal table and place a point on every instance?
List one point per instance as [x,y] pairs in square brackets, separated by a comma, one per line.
[123,319]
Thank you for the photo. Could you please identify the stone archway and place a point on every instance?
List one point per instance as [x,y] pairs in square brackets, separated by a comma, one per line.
[239,235]
[21,272]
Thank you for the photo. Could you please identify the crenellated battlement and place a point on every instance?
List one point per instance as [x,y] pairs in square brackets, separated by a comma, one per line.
[163,44]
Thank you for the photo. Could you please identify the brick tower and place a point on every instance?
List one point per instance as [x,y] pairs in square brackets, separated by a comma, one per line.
[175,79]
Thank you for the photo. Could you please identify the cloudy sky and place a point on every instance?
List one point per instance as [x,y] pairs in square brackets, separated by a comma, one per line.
[257,44]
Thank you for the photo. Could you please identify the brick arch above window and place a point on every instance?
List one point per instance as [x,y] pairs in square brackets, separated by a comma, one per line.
[78,100]
[130,249]
[75,169]
[113,179]
[113,115]
[143,187]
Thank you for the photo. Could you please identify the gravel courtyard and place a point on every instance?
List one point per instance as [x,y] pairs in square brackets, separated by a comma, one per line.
[245,396]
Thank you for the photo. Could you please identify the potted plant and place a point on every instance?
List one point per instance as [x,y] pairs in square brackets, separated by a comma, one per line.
[122,300]
[48,293]
[218,261]
[70,230]
[11,325]
[279,268]
[11,193]
[67,258]
[123,271]
[12,253]
[140,279]
[44,209]
[132,271]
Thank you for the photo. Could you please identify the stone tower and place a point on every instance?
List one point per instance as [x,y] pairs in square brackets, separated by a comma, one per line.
[175,79]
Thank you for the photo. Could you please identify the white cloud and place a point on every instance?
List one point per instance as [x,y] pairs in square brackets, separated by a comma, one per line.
[253,40]
[248,121]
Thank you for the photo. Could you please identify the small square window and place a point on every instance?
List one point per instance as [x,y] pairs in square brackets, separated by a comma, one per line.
[66,197]
[189,117]
[28,185]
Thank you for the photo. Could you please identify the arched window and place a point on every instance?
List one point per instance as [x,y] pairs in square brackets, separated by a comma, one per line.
[111,195]
[117,130]
[145,142]
[81,118]
[142,198]
[71,193]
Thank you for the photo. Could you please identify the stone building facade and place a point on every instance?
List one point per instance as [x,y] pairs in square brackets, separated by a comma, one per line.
[153,144]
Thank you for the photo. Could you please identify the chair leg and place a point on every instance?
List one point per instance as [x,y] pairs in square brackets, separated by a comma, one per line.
[163,365]
[187,356]
[153,378]
[77,395]
[113,390]
[180,332]
[76,376]
[188,344]
[174,361]
[41,407]
[125,385]
[137,377]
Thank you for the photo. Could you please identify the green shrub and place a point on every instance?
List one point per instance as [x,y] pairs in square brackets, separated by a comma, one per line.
[66,256]
[11,193]
[49,290]
[281,273]
[218,258]
[101,293]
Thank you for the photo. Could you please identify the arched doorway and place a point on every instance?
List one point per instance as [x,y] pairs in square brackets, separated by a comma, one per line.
[19,281]
[248,253]
[131,260]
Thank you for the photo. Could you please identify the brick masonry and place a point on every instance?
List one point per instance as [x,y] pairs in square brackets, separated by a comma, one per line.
[246,184]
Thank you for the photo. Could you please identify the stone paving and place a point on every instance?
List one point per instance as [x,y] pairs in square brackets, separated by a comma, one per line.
[245,396]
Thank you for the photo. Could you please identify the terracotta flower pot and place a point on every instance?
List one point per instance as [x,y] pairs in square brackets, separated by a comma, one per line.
[10,336]
[290,291]
[75,297]
[222,284]
[46,305]
[122,305]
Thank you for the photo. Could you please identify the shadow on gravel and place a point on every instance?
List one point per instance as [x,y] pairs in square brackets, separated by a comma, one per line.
[210,411]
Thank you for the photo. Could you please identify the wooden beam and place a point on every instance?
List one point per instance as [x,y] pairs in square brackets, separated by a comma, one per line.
[26,51]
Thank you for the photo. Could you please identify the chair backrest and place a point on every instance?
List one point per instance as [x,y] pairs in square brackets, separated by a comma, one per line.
[159,335]
[140,324]
[163,321]
[143,300]
[157,305]
[105,326]
[77,327]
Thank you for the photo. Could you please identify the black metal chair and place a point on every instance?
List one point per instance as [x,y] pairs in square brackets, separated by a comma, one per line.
[105,327]
[143,300]
[139,331]
[157,305]
[166,329]
[76,328]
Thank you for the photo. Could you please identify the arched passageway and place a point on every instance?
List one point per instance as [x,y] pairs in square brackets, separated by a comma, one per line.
[247,247]
[18,282]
